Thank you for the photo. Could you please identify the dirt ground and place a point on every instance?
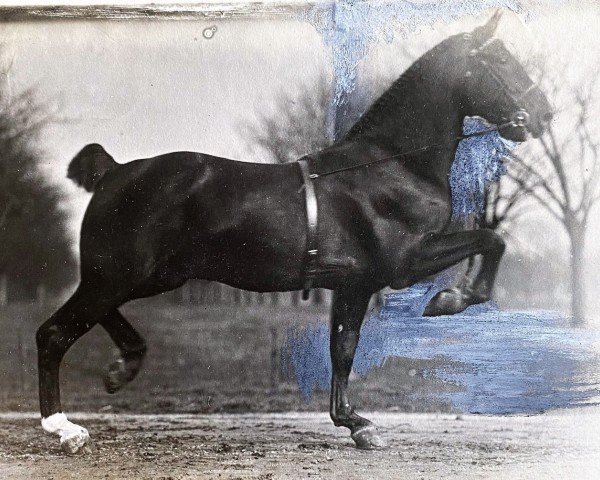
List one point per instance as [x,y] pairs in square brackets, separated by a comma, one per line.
[306,445]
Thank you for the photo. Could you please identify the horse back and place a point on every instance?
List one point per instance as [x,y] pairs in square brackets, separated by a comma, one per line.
[212,217]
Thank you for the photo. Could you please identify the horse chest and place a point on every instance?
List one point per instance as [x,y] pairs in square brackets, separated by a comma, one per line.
[376,237]
[402,217]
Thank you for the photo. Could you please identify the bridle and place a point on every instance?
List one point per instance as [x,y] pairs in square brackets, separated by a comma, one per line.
[519,118]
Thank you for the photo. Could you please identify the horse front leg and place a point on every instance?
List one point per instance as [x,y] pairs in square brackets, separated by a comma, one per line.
[347,314]
[442,251]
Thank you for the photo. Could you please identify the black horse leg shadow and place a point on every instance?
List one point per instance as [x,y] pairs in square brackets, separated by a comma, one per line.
[132,348]
[442,251]
[347,314]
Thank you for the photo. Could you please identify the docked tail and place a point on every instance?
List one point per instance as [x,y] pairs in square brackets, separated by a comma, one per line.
[89,166]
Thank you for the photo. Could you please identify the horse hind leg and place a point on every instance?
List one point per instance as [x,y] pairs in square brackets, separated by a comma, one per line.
[54,338]
[132,348]
[131,345]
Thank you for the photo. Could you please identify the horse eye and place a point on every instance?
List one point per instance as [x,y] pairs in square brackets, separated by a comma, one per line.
[503,59]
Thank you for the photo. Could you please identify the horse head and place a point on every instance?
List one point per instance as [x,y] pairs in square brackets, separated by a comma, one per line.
[497,87]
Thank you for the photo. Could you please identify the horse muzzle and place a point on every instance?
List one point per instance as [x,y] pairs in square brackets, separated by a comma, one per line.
[536,115]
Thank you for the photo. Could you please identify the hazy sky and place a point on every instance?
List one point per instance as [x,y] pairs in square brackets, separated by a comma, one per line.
[144,88]
[141,88]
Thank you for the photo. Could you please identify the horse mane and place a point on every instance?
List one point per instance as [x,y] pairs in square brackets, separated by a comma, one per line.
[380,108]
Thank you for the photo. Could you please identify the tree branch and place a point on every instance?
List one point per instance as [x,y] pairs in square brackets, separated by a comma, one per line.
[540,181]
[541,200]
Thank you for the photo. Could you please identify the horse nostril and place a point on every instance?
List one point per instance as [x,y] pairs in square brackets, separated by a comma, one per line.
[547,117]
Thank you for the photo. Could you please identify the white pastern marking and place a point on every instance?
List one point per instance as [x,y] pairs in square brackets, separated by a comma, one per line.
[72,436]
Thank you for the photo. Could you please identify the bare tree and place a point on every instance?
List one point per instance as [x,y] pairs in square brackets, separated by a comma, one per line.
[297,125]
[561,171]
[502,201]
[309,120]
[35,244]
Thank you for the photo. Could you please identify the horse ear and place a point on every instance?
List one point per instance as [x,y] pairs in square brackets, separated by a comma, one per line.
[483,33]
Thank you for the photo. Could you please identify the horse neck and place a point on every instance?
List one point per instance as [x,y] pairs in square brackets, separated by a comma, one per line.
[417,113]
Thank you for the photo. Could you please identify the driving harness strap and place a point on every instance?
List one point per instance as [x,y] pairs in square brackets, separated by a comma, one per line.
[310,197]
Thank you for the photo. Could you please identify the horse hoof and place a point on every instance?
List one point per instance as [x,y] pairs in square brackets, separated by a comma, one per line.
[122,371]
[114,379]
[446,302]
[72,442]
[116,376]
[367,438]
[72,436]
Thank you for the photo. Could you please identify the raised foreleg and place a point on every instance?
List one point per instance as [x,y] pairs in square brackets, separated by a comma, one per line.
[439,252]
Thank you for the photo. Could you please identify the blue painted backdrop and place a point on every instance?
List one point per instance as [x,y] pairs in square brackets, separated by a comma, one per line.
[503,361]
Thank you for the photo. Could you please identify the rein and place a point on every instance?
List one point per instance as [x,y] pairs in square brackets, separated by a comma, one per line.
[520,119]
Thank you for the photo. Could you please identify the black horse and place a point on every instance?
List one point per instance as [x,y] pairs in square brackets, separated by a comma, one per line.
[153,224]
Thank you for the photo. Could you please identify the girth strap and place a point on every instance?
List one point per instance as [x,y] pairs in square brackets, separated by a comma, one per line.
[311,231]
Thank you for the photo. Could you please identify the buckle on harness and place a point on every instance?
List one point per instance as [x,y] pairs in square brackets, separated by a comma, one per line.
[520,118]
